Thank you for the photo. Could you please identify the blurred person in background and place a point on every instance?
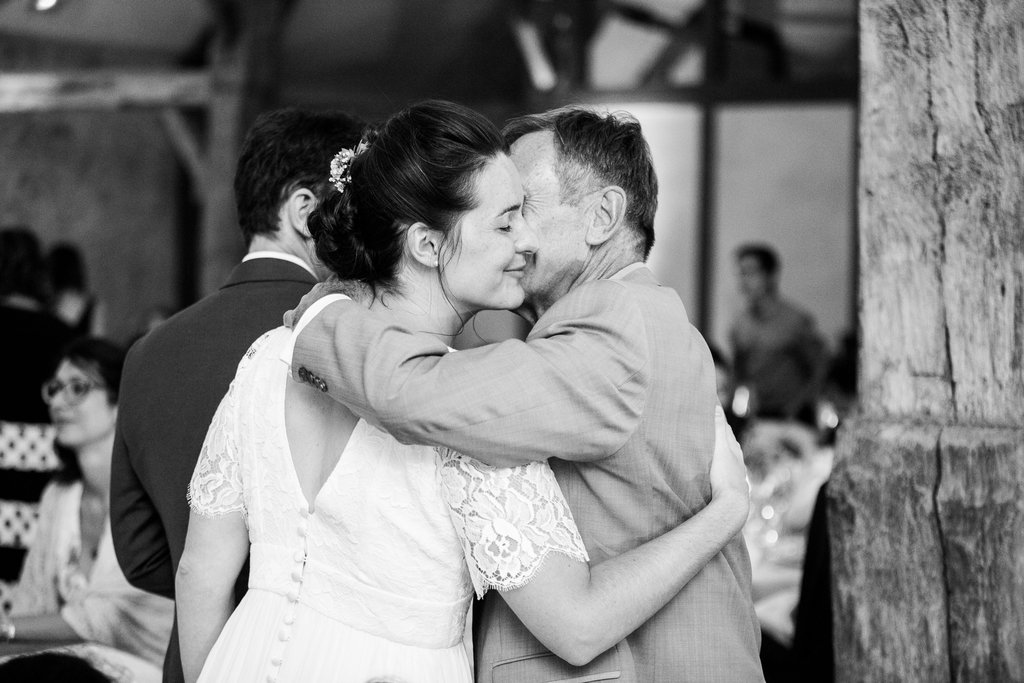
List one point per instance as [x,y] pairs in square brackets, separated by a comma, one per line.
[30,340]
[176,375]
[71,588]
[71,300]
[778,354]
[31,337]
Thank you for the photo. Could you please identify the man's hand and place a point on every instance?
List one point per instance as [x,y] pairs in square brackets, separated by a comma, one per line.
[357,291]
[728,473]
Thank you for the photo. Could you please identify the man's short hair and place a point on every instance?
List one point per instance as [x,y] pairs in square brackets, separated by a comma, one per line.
[596,149]
[286,150]
[765,255]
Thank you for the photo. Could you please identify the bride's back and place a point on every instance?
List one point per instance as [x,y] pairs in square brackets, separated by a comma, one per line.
[318,428]
[341,516]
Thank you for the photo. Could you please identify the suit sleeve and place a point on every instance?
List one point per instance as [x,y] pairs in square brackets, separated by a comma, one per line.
[575,390]
[140,541]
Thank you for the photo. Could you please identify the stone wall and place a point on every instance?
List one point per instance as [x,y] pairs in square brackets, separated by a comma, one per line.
[106,181]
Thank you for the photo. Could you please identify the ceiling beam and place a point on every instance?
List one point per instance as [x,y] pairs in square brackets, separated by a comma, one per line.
[535,55]
[683,37]
[102,89]
[188,147]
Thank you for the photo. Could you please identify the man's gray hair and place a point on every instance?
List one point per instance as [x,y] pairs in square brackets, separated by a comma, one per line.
[596,149]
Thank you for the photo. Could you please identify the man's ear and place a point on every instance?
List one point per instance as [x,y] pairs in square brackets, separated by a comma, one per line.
[296,210]
[423,244]
[607,214]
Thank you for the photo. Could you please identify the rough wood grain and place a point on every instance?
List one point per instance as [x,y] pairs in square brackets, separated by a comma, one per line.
[981,512]
[928,517]
[889,597]
[942,210]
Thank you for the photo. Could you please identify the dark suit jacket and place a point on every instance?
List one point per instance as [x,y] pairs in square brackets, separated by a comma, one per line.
[173,380]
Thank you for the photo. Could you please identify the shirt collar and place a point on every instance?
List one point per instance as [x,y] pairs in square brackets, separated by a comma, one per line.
[627,270]
[283,257]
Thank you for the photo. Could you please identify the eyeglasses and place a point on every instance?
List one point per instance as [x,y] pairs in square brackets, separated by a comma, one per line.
[74,390]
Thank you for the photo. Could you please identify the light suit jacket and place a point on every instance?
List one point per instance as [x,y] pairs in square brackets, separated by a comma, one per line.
[615,386]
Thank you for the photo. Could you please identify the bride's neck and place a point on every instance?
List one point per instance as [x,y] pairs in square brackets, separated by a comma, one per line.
[421,305]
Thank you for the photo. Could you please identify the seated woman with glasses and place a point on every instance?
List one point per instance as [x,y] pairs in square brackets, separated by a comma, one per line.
[71,588]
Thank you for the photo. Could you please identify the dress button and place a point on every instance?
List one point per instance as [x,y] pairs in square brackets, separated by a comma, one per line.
[299,556]
[283,635]
[293,595]
[271,678]
[289,620]
[297,575]
[276,661]
[301,531]
[304,511]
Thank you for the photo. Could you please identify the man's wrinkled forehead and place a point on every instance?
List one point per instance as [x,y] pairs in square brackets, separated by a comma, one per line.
[535,157]
[533,149]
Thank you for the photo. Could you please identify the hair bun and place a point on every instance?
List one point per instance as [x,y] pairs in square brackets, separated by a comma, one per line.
[416,167]
[339,244]
[370,134]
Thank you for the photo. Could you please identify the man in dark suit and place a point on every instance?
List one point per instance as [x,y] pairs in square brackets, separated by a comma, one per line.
[175,376]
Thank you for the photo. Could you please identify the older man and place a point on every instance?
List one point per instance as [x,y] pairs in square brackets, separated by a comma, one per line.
[613,385]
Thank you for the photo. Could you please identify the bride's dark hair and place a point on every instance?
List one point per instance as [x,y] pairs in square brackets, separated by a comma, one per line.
[419,167]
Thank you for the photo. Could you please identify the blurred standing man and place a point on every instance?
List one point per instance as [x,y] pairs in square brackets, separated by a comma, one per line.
[777,351]
[175,376]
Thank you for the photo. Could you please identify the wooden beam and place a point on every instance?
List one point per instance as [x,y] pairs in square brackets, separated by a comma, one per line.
[245,58]
[714,71]
[187,146]
[534,54]
[103,89]
[683,37]
[741,92]
[926,508]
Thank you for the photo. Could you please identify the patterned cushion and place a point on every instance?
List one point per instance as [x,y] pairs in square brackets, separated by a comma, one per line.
[5,596]
[27,459]
[17,523]
[27,447]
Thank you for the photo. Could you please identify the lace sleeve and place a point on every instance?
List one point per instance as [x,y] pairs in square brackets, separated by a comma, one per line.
[216,485]
[509,519]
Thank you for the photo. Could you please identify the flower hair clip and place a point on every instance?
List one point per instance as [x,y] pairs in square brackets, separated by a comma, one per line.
[341,164]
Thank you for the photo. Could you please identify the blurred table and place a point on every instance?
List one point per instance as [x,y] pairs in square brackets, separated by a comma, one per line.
[786,468]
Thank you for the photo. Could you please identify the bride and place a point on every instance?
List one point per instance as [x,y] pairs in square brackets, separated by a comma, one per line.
[366,553]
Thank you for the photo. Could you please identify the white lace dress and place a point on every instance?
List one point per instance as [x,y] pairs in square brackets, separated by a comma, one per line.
[375,582]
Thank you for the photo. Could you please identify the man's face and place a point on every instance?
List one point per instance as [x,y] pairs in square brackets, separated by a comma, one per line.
[755,283]
[560,228]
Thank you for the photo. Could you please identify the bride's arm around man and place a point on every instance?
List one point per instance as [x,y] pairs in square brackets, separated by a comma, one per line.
[613,382]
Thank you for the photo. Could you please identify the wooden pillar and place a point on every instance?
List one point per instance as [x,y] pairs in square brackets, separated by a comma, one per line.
[927,495]
[244,63]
